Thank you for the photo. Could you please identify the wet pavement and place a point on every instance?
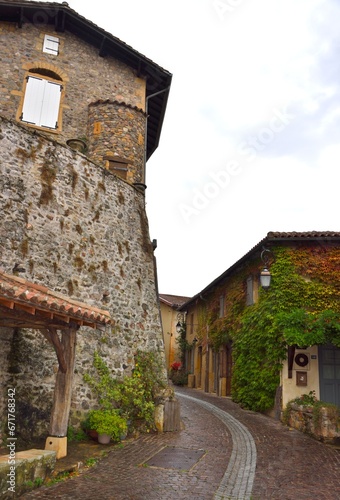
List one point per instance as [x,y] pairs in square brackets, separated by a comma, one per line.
[223,452]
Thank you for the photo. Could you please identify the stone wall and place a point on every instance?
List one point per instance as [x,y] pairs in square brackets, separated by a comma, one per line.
[83,232]
[117,129]
[86,78]
[324,424]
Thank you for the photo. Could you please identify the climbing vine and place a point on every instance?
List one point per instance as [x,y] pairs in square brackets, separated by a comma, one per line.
[302,308]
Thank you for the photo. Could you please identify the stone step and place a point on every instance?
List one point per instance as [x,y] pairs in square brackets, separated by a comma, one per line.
[21,471]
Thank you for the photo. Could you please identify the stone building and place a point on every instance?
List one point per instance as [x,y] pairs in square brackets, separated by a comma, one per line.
[80,114]
[265,344]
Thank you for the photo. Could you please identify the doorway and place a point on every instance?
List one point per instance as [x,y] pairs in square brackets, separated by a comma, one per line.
[329,369]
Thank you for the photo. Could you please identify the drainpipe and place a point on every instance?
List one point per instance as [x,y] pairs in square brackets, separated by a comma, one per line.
[146,125]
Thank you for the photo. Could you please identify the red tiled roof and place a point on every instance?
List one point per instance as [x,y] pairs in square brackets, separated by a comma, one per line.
[18,294]
[305,234]
[173,300]
[273,237]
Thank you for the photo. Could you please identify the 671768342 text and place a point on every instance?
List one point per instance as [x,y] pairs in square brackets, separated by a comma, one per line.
[11,441]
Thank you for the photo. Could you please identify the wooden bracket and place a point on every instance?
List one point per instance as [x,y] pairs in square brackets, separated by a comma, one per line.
[52,336]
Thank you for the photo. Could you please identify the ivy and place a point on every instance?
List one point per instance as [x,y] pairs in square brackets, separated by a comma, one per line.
[182,342]
[302,308]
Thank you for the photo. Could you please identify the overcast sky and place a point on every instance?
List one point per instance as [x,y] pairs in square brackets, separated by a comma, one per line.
[250,142]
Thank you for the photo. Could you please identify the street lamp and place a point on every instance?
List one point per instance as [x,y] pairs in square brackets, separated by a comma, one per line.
[265,276]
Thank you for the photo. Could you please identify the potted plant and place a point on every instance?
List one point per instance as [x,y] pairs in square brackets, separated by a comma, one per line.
[109,424]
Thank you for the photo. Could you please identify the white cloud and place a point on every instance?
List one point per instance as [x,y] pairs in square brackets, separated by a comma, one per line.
[233,69]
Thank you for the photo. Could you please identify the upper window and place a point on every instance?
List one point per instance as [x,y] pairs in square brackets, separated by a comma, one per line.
[41,102]
[51,45]
[249,291]
[221,306]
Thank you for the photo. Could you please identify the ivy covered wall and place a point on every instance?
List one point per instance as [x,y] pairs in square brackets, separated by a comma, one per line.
[301,307]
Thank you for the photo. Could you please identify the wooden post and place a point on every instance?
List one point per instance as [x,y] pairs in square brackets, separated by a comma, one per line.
[66,353]
[63,387]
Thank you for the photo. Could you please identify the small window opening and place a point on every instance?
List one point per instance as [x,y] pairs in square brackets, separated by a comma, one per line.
[117,165]
[51,45]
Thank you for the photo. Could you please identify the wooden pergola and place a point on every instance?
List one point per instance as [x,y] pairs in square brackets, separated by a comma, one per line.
[24,304]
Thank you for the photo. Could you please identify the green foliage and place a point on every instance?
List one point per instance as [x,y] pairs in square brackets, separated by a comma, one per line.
[135,396]
[183,344]
[305,399]
[309,401]
[108,422]
[90,462]
[301,307]
[303,328]
[258,352]
[76,435]
[179,377]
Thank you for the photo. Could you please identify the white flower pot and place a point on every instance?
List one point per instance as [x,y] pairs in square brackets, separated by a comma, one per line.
[104,438]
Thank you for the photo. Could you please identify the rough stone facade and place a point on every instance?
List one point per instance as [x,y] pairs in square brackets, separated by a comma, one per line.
[86,79]
[73,225]
[83,232]
[117,129]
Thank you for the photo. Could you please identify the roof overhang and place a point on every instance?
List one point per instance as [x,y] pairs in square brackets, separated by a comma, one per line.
[62,18]
[272,239]
[27,305]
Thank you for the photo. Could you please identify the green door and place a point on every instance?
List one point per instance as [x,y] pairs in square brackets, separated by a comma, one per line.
[329,369]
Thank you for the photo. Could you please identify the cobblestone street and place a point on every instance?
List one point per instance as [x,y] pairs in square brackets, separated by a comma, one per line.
[223,452]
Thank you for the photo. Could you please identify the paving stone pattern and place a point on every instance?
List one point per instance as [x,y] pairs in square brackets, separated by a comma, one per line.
[289,464]
[238,479]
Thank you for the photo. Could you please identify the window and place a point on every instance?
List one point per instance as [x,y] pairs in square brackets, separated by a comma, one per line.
[249,291]
[221,306]
[117,165]
[51,45]
[41,102]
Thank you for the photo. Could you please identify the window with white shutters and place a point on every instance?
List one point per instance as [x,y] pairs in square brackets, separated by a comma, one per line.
[51,45]
[41,102]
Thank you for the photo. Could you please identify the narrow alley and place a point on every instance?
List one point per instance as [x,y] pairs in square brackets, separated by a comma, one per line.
[222,453]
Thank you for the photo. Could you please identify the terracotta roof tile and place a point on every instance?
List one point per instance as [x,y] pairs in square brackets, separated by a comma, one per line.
[22,292]
[305,234]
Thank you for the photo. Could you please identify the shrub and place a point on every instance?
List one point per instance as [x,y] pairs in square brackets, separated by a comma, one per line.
[179,377]
[135,397]
[107,422]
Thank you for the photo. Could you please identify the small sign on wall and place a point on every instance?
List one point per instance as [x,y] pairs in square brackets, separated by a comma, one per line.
[301,378]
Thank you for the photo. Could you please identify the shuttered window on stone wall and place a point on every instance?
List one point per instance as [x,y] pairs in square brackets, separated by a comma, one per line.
[41,102]
[117,165]
[250,291]
[51,45]
[221,315]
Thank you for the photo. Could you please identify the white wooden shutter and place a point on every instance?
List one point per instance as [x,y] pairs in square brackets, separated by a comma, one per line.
[50,105]
[33,100]
[41,103]
[51,45]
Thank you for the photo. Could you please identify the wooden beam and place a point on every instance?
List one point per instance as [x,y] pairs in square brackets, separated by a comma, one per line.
[52,336]
[63,387]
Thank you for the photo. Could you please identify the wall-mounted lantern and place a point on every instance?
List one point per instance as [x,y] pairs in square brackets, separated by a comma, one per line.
[265,276]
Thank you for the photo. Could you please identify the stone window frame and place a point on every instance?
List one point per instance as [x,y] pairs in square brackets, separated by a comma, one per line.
[52,74]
